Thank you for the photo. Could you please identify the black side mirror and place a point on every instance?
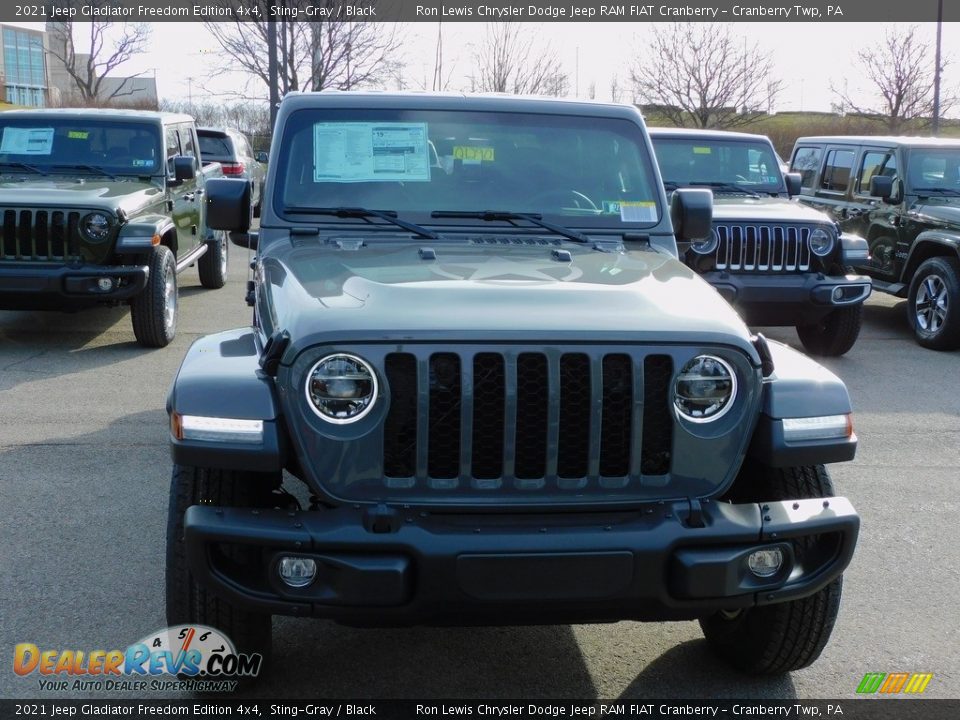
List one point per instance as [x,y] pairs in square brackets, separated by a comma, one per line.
[691,212]
[184,168]
[245,239]
[881,187]
[793,183]
[262,157]
[229,204]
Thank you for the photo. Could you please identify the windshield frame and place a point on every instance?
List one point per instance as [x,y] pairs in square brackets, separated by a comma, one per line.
[301,119]
[697,140]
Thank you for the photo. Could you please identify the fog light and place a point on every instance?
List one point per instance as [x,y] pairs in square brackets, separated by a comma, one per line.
[766,562]
[105,284]
[838,294]
[297,572]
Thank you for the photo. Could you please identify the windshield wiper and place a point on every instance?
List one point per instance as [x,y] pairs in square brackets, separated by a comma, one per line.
[936,190]
[90,168]
[358,212]
[727,186]
[669,185]
[507,216]
[23,166]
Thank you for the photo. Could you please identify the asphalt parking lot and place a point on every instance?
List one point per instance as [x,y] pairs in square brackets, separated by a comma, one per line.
[84,474]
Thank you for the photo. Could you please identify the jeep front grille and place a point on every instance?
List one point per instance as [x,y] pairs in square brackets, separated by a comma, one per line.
[40,235]
[763,248]
[526,420]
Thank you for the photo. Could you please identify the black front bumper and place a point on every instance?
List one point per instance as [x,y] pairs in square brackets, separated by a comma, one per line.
[788,299]
[383,566]
[42,287]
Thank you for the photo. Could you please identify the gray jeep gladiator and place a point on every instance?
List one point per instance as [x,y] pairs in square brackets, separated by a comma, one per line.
[103,207]
[481,388]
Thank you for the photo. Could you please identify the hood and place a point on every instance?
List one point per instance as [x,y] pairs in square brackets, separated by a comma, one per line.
[764,209]
[944,212]
[387,290]
[86,192]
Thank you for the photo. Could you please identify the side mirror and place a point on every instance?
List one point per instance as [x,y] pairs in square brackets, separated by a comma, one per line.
[229,204]
[881,187]
[793,183]
[262,157]
[184,168]
[691,212]
[245,239]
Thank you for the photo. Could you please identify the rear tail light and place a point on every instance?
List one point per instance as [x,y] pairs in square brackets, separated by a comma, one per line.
[232,168]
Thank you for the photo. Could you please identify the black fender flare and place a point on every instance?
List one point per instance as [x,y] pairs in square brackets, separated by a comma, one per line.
[941,242]
[144,233]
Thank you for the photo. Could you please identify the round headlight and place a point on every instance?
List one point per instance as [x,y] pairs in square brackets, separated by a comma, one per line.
[95,226]
[341,388]
[705,389]
[821,242]
[707,245]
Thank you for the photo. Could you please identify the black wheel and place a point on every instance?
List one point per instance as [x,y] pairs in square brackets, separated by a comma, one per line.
[212,265]
[187,601]
[933,306]
[774,639]
[835,334]
[154,311]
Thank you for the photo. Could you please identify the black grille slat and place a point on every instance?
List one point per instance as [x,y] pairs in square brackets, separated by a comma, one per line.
[488,409]
[574,447]
[443,459]
[657,421]
[58,235]
[25,235]
[73,233]
[532,415]
[41,234]
[763,248]
[400,428]
[10,233]
[617,416]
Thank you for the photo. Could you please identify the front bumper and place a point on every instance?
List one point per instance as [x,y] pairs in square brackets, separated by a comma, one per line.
[38,286]
[393,566]
[775,299]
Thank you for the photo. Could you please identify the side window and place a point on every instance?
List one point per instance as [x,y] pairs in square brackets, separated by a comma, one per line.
[875,162]
[806,161]
[186,141]
[173,147]
[836,171]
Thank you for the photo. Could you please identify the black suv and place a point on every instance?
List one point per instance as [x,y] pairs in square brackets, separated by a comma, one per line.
[778,262]
[497,394]
[903,195]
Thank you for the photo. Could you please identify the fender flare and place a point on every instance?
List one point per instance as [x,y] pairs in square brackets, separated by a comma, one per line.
[140,235]
[945,239]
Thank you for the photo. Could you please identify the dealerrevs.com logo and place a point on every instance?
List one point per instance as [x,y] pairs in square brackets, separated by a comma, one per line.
[183,657]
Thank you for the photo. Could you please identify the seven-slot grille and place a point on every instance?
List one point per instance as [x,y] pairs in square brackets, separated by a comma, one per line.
[526,420]
[763,248]
[45,235]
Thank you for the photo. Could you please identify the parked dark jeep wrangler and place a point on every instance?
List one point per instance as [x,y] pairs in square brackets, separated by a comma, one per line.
[102,207]
[506,399]
[777,261]
[903,195]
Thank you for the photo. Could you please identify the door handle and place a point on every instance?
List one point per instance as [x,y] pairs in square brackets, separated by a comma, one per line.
[187,196]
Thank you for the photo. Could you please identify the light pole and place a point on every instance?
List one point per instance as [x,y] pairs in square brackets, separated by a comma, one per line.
[936,71]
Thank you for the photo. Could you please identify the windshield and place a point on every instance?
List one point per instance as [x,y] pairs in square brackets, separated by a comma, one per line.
[577,171]
[48,143]
[689,161]
[934,168]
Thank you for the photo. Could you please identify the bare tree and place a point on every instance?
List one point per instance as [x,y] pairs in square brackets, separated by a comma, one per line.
[507,60]
[101,52]
[901,74]
[703,75]
[615,89]
[312,55]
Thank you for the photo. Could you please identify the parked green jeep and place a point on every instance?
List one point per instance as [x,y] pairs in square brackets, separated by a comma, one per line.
[104,207]
[903,195]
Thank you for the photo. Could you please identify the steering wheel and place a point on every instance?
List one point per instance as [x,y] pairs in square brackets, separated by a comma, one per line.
[580,200]
[741,178]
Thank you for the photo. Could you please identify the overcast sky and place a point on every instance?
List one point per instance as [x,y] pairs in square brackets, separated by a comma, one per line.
[807,56]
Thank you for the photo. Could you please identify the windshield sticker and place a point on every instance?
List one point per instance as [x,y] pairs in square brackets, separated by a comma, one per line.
[469,153]
[702,151]
[78,134]
[142,163]
[637,211]
[611,207]
[370,152]
[27,141]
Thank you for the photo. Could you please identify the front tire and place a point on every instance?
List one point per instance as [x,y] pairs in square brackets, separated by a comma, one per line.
[187,601]
[212,265]
[779,638]
[833,335]
[933,305]
[154,311]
